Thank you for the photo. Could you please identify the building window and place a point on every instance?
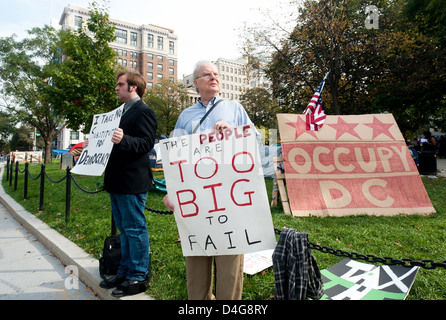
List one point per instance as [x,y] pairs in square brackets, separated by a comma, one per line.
[171,71]
[149,65]
[74,135]
[150,75]
[160,67]
[159,77]
[160,58]
[150,40]
[121,36]
[149,85]
[78,22]
[160,43]
[150,56]
[133,39]
[171,62]
[171,47]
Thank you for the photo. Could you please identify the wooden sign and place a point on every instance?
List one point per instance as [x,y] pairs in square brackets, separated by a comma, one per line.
[356,164]
[216,184]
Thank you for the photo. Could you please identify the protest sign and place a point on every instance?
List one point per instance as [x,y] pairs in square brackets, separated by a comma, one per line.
[353,280]
[215,181]
[356,164]
[94,157]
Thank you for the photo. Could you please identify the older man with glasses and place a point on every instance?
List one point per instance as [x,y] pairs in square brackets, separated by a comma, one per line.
[228,268]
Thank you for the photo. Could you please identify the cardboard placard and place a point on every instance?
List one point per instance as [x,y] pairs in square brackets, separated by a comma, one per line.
[356,164]
[94,157]
[353,280]
[216,183]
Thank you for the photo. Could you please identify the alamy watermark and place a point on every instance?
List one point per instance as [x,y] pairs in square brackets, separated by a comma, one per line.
[372,19]
[72,281]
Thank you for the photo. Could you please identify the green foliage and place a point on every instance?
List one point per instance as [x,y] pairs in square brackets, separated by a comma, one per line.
[167,101]
[85,79]
[260,107]
[25,81]
[396,68]
[403,236]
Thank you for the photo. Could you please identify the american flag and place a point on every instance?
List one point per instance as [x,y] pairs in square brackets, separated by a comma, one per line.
[315,114]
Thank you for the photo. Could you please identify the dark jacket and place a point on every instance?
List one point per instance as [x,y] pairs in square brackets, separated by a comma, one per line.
[128,170]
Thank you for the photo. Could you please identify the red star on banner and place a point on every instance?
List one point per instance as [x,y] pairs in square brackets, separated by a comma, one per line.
[301,127]
[379,127]
[344,127]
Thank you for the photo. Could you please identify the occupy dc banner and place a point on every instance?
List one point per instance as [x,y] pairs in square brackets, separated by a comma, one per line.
[356,164]
[94,157]
[215,181]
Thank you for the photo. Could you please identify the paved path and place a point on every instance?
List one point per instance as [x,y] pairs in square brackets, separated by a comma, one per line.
[29,271]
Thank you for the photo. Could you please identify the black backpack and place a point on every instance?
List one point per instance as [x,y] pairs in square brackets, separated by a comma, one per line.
[111,256]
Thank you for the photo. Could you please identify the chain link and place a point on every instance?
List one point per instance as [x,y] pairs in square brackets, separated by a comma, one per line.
[425,264]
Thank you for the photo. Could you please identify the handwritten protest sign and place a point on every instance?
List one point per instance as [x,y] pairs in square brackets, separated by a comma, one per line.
[356,164]
[94,157]
[215,181]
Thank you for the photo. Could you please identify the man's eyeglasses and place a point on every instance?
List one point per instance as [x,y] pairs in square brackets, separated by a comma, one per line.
[209,76]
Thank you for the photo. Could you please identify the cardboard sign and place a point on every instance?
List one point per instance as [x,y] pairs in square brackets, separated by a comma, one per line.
[215,181]
[357,164]
[353,280]
[94,157]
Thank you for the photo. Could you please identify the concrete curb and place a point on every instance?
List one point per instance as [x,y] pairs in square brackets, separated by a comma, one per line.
[68,252]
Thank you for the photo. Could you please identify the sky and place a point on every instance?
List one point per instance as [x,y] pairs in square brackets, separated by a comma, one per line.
[206,30]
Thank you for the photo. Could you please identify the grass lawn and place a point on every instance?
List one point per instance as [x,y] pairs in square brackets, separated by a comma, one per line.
[403,236]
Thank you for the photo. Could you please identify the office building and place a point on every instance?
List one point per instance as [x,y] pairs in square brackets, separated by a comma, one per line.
[234,80]
[149,49]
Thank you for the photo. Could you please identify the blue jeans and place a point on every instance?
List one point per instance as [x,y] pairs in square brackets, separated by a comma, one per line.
[128,213]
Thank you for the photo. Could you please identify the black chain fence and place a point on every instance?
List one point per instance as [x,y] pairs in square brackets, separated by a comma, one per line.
[425,264]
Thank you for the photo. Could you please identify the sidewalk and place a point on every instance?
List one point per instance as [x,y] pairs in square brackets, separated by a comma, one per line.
[29,271]
[36,260]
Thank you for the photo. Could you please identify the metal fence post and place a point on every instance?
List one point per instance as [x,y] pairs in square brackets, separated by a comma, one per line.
[68,195]
[25,187]
[42,186]
[7,168]
[16,175]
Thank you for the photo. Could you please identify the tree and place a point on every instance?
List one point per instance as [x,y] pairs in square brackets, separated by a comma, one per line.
[84,73]
[25,83]
[167,100]
[429,16]
[392,68]
[260,107]
[7,128]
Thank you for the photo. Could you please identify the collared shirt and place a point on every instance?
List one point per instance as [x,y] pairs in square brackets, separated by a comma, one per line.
[230,111]
[129,104]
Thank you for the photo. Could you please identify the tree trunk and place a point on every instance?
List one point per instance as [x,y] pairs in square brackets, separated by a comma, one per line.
[48,152]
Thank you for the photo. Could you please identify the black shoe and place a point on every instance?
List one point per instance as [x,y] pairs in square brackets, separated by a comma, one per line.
[112,282]
[130,287]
